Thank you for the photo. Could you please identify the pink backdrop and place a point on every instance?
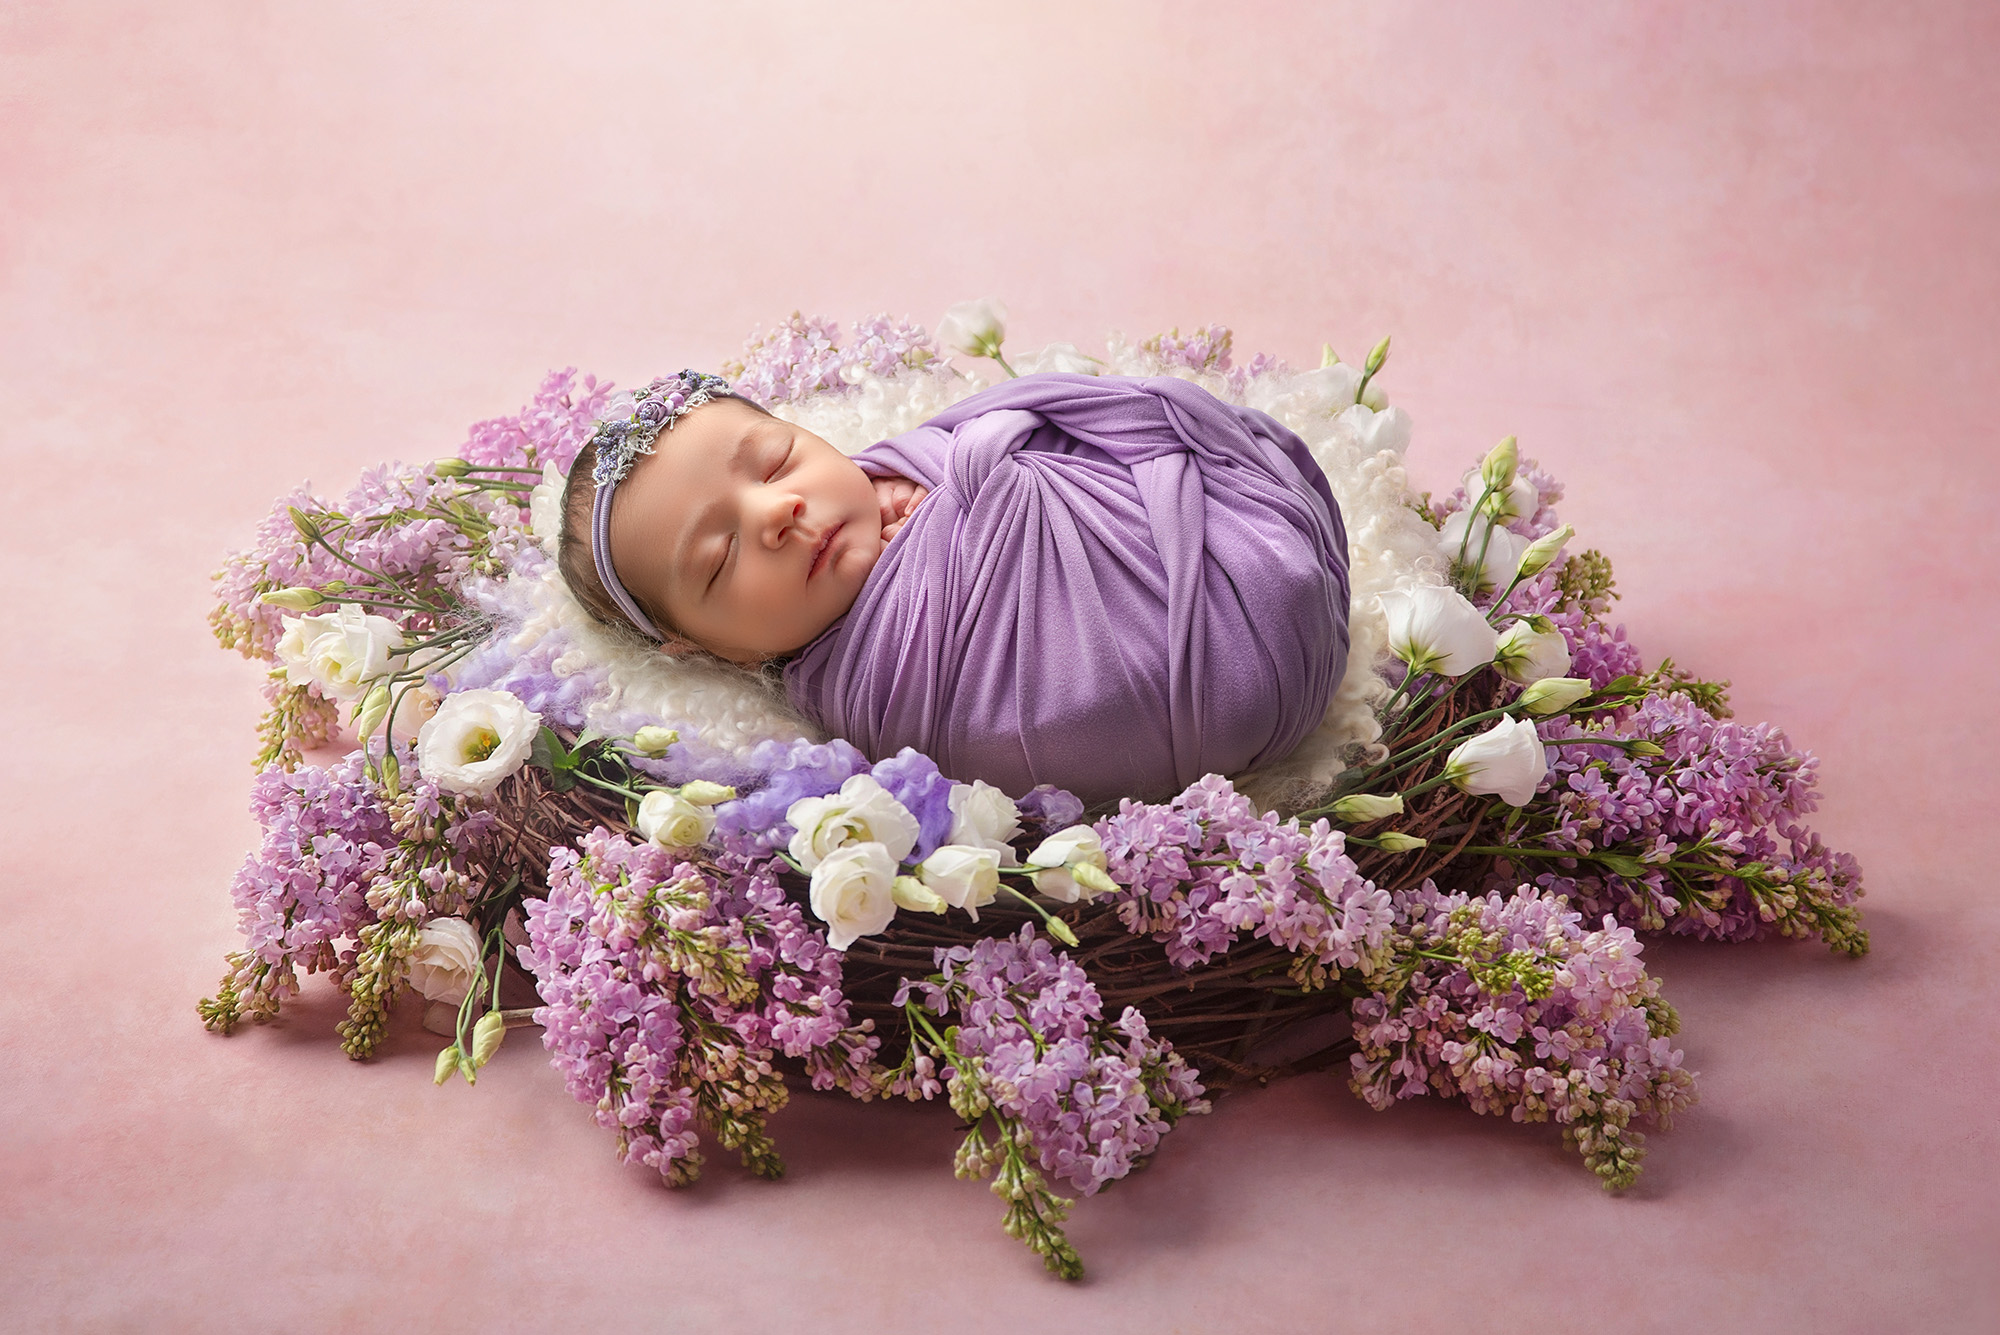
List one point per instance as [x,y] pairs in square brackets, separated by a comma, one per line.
[1729,270]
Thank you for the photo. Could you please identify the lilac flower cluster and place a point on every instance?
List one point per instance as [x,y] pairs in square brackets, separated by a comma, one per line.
[1205,349]
[326,839]
[668,989]
[1508,1003]
[803,357]
[548,431]
[1207,866]
[1703,840]
[1066,1093]
[1093,1099]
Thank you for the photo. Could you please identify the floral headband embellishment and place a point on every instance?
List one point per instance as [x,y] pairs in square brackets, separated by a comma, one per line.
[655,409]
[619,444]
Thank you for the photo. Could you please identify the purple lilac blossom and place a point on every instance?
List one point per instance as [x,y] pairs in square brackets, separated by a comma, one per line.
[1536,1018]
[1294,887]
[1728,793]
[549,430]
[326,839]
[1093,1098]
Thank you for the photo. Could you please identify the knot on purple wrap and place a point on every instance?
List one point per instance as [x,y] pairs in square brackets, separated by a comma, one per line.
[1116,586]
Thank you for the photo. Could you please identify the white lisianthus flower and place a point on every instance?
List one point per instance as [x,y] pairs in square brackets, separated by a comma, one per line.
[1503,549]
[975,328]
[1436,629]
[444,966]
[1071,866]
[1516,500]
[963,876]
[475,740]
[984,817]
[1507,760]
[863,811]
[1060,861]
[1062,357]
[853,892]
[339,651]
[1531,650]
[671,821]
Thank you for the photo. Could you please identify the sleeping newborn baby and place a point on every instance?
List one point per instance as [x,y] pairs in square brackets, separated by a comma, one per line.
[1113,585]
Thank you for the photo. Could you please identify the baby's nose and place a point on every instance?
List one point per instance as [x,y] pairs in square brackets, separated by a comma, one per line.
[782,515]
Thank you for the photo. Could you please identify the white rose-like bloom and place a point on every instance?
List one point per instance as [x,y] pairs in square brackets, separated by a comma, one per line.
[339,651]
[1527,652]
[671,821]
[1057,858]
[853,892]
[984,817]
[1503,549]
[1517,500]
[1507,760]
[975,328]
[475,740]
[1436,629]
[445,964]
[863,811]
[962,876]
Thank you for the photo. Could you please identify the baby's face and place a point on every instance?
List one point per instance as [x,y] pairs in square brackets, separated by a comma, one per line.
[751,534]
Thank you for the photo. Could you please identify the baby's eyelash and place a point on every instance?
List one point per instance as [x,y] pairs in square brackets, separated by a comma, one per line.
[716,573]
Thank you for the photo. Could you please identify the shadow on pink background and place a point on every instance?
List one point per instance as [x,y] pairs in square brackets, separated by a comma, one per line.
[1730,274]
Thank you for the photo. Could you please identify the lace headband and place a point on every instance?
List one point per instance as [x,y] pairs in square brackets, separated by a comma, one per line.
[619,444]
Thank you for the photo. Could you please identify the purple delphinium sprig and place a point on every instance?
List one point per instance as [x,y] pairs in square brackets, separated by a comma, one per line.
[668,988]
[1203,868]
[326,837]
[1067,1094]
[782,772]
[1510,1004]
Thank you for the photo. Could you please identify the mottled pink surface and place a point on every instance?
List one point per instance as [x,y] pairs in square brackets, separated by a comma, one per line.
[1729,269]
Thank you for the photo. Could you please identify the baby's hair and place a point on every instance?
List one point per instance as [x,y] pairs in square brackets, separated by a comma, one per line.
[579,567]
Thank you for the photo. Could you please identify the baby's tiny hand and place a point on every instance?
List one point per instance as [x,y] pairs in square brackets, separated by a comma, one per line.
[897,497]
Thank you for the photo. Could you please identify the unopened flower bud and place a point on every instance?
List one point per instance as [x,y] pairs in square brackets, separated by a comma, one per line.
[1496,470]
[374,707]
[1327,356]
[1093,878]
[705,794]
[298,598]
[1361,807]
[487,1036]
[1397,842]
[1644,748]
[1552,695]
[1544,550]
[450,467]
[467,1069]
[447,1064]
[1060,931]
[1379,355]
[912,894]
[303,523]
[654,741]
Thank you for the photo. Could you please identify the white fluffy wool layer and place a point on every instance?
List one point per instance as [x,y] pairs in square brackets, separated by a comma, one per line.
[1362,452]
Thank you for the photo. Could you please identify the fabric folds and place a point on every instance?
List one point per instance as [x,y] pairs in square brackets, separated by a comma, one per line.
[1115,585]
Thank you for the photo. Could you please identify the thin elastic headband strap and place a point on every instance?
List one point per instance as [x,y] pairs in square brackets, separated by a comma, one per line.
[600,552]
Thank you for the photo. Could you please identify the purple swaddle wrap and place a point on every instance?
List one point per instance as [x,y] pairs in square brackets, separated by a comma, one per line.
[1115,585]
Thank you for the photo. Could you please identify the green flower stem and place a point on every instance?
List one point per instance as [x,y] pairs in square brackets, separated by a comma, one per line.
[341,556]
[500,468]
[1011,372]
[1465,540]
[607,785]
[1057,928]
